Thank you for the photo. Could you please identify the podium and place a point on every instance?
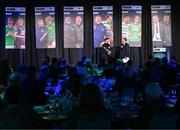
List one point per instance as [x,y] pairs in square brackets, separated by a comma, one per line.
[159,52]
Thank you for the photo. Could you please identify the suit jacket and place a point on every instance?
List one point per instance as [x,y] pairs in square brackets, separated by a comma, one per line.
[125,50]
[161,30]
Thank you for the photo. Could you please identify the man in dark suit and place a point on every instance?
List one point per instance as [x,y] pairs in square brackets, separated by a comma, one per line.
[125,50]
[107,50]
[158,32]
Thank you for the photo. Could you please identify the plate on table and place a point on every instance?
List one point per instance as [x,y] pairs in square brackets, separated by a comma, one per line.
[54,117]
[41,110]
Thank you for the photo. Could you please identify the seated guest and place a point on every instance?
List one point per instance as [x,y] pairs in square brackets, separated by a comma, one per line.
[154,109]
[15,115]
[75,84]
[2,91]
[89,66]
[81,69]
[129,81]
[91,112]
[150,61]
[83,59]
[177,109]
[61,66]
[32,90]
[53,69]
[46,61]
[103,63]
[168,74]
[5,71]
[22,69]
[62,62]
[43,76]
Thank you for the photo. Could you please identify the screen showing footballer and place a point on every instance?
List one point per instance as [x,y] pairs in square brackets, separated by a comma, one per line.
[15,31]
[73,27]
[103,25]
[161,26]
[131,24]
[45,27]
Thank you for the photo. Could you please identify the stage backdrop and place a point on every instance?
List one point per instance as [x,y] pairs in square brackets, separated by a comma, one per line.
[31,55]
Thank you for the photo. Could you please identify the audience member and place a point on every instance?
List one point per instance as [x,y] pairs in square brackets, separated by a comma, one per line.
[32,90]
[91,109]
[153,107]
[15,115]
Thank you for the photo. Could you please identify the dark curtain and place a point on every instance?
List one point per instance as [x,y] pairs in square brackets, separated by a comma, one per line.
[34,56]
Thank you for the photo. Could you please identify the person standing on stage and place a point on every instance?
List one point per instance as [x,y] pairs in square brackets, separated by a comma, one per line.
[100,31]
[125,50]
[107,50]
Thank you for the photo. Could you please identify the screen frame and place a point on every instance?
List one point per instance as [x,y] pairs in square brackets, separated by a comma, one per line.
[141,42]
[56,26]
[25,26]
[67,6]
[113,45]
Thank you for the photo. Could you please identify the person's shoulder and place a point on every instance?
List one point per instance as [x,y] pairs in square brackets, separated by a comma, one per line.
[127,44]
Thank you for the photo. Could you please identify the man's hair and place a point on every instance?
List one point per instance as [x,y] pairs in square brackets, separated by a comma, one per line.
[11,18]
[20,18]
[39,19]
[156,15]
[125,39]
[49,18]
[166,15]
[125,16]
[97,16]
[78,16]
[108,16]
[136,16]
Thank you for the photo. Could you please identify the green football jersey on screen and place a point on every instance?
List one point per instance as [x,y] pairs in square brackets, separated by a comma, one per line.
[9,41]
[134,30]
[51,32]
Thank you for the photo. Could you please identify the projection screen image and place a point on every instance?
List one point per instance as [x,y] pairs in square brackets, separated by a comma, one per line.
[161,25]
[73,27]
[45,27]
[131,24]
[15,32]
[102,25]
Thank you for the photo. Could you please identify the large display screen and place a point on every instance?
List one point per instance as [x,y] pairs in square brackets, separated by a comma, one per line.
[15,32]
[45,27]
[103,25]
[73,27]
[161,25]
[131,24]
